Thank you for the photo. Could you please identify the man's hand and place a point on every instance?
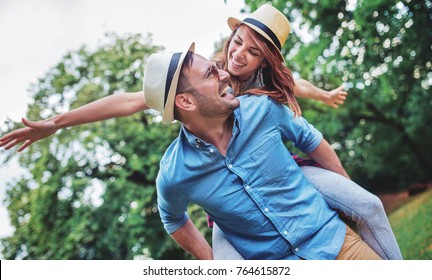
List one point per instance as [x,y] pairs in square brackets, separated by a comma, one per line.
[34,131]
[336,97]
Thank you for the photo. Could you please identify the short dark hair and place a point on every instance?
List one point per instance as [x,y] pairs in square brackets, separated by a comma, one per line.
[183,81]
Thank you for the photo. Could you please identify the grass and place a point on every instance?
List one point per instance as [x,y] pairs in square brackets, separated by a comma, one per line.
[412,226]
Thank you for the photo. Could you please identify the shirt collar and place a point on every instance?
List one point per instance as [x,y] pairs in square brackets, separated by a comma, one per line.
[191,138]
[196,141]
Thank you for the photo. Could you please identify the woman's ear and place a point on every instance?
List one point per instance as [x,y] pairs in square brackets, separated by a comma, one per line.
[264,65]
[185,101]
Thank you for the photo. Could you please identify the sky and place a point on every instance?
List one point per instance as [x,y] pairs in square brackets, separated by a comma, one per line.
[36,34]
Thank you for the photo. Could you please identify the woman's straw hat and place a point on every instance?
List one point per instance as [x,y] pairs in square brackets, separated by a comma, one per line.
[268,22]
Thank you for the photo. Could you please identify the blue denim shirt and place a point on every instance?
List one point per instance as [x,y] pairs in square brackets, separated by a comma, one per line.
[256,194]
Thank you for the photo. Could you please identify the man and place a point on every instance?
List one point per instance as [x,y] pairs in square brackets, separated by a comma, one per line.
[230,159]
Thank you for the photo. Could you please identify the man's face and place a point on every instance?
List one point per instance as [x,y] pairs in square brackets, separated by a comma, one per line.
[211,85]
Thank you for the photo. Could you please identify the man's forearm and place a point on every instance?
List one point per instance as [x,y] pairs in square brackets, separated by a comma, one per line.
[190,239]
[112,106]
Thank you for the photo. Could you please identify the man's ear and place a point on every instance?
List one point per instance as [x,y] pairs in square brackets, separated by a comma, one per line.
[185,101]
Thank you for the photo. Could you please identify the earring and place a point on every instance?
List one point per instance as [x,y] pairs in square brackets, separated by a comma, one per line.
[260,79]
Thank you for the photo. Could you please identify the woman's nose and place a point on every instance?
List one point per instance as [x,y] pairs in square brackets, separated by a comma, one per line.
[239,52]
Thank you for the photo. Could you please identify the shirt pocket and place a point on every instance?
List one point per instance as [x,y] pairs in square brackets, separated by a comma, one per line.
[272,159]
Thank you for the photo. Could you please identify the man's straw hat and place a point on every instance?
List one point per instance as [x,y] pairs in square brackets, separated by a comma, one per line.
[160,81]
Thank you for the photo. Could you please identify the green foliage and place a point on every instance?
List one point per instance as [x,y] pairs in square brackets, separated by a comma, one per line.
[415,214]
[91,190]
[382,51]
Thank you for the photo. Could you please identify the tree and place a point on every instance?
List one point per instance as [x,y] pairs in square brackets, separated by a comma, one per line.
[91,190]
[382,50]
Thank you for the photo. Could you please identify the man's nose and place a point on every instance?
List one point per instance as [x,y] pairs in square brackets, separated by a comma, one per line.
[223,75]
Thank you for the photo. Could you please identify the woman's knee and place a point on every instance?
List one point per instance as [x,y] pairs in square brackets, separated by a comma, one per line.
[374,204]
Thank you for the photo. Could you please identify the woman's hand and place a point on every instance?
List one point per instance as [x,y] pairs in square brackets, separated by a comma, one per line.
[34,131]
[336,97]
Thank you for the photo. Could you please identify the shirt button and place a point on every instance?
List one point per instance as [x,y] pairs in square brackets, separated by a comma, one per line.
[286,232]
[296,249]
[211,150]
[266,209]
[247,187]
[230,166]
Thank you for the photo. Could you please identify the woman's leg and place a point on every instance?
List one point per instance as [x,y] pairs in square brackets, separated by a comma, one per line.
[222,248]
[361,206]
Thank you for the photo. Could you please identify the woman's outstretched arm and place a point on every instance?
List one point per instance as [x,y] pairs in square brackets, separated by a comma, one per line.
[112,106]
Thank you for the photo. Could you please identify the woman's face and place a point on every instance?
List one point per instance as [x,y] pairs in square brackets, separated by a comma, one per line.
[244,56]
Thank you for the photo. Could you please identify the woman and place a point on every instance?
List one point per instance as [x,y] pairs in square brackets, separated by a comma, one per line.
[252,56]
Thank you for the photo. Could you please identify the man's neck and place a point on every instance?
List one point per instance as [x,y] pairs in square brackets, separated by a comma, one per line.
[215,131]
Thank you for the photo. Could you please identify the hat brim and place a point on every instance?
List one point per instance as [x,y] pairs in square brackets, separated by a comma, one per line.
[168,113]
[234,22]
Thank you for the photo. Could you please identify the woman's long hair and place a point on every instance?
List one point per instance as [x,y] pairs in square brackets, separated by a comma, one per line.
[278,80]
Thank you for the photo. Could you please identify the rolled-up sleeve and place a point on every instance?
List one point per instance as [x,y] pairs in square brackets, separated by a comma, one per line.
[172,205]
[296,129]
